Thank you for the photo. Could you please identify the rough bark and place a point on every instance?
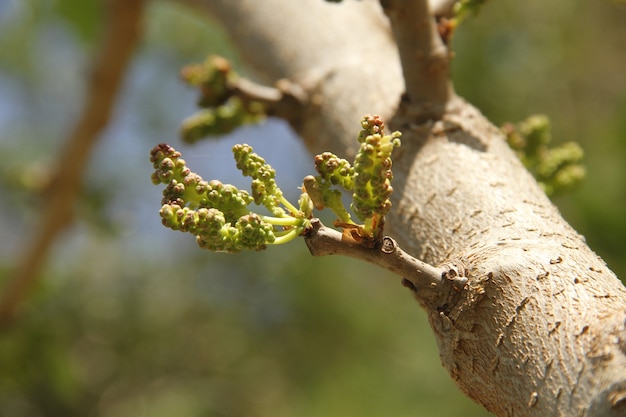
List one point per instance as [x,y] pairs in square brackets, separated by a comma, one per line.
[540,327]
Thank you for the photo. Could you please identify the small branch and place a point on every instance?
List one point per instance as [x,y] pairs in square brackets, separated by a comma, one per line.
[122,33]
[424,56]
[229,100]
[285,100]
[430,284]
[250,91]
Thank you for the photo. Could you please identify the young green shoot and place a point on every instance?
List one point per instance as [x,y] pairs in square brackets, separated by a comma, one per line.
[222,111]
[219,214]
[220,217]
[368,178]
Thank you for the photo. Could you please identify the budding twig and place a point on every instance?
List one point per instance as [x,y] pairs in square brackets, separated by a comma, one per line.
[220,217]
[229,100]
[284,99]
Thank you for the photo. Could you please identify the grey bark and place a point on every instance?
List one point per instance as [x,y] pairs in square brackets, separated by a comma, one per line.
[540,327]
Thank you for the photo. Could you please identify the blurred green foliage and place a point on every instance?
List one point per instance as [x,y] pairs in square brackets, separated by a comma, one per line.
[122,327]
[215,338]
[556,169]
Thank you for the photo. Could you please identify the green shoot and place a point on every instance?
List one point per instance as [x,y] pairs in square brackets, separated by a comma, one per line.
[369,178]
[222,111]
[372,179]
[218,214]
[220,217]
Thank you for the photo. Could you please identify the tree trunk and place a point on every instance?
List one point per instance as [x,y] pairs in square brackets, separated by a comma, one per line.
[540,327]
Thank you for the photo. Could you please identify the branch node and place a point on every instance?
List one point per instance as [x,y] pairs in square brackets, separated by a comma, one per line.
[388,245]
[456,274]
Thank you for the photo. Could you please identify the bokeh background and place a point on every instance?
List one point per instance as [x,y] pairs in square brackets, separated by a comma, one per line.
[131,319]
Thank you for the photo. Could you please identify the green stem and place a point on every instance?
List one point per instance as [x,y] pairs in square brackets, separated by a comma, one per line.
[285,221]
[368,226]
[288,236]
[290,207]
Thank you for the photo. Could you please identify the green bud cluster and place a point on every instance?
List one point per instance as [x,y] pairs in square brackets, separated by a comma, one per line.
[220,120]
[221,111]
[335,170]
[212,78]
[369,178]
[555,168]
[372,166]
[264,188]
[218,214]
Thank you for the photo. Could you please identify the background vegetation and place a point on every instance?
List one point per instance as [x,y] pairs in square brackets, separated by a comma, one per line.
[131,319]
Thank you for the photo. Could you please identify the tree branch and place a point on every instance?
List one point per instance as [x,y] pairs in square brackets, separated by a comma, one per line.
[285,100]
[121,34]
[538,328]
[430,284]
[424,56]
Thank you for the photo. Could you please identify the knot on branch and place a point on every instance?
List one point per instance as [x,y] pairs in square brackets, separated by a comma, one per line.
[456,274]
[388,245]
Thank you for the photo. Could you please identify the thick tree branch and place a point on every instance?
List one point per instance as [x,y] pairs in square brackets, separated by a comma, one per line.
[122,30]
[538,330]
[424,56]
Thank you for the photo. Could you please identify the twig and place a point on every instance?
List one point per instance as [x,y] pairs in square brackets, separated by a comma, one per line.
[285,100]
[122,33]
[229,100]
[430,284]
[424,56]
